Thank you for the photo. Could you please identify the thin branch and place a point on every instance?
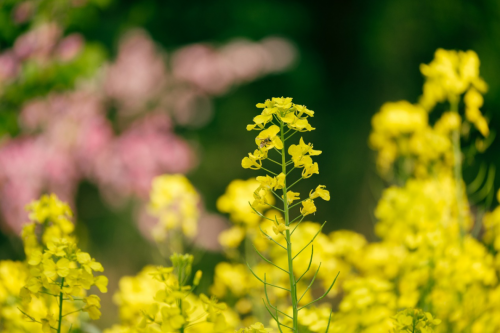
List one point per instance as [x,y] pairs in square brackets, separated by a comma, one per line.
[269,302]
[309,266]
[33,319]
[329,319]
[290,171]
[279,324]
[326,293]
[310,241]
[277,150]
[298,203]
[275,318]
[277,196]
[268,261]
[259,213]
[298,180]
[286,139]
[281,210]
[44,292]
[297,225]
[269,237]
[273,161]
[67,314]
[312,281]
[269,171]
[295,219]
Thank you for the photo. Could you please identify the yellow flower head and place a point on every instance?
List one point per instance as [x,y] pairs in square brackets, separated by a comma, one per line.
[309,170]
[236,198]
[268,139]
[320,192]
[292,196]
[174,200]
[308,207]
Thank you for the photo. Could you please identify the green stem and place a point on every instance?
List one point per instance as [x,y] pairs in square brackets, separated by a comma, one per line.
[269,171]
[293,287]
[60,307]
[298,180]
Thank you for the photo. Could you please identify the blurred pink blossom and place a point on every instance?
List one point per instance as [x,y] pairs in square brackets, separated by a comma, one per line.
[38,43]
[67,137]
[69,47]
[216,70]
[147,149]
[23,12]
[29,166]
[139,75]
[9,66]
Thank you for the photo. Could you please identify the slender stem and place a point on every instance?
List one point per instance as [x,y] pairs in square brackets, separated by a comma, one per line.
[289,136]
[297,225]
[277,196]
[269,171]
[281,210]
[298,180]
[290,170]
[298,203]
[270,159]
[293,287]
[67,314]
[295,220]
[60,307]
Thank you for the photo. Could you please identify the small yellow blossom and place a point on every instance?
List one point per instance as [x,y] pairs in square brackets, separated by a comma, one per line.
[292,196]
[309,170]
[320,192]
[308,207]
[268,139]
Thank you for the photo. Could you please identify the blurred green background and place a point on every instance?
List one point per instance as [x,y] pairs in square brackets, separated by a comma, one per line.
[352,56]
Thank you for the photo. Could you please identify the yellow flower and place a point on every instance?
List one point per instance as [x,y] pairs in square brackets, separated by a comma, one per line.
[268,139]
[280,228]
[236,198]
[308,207]
[172,318]
[298,124]
[320,192]
[260,196]
[232,237]
[282,103]
[309,170]
[267,182]
[255,328]
[174,201]
[299,152]
[292,196]
[415,320]
[449,75]
[48,323]
[93,306]
[301,109]
[280,181]
[53,270]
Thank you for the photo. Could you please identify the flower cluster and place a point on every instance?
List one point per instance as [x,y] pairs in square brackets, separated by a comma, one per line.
[402,133]
[279,120]
[174,201]
[426,260]
[159,299]
[55,268]
[415,321]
